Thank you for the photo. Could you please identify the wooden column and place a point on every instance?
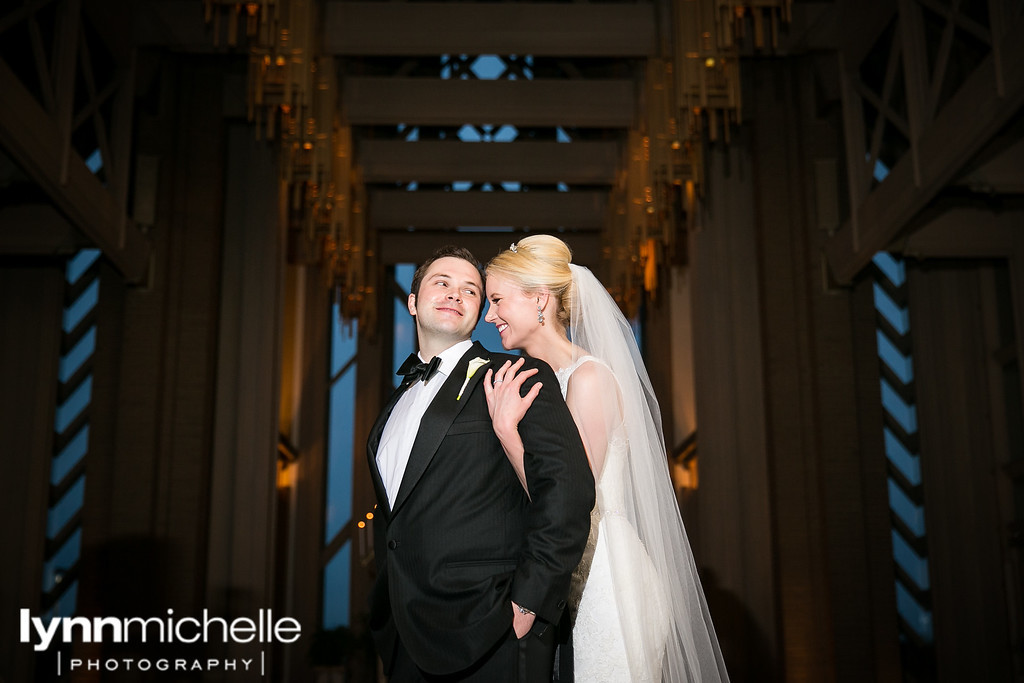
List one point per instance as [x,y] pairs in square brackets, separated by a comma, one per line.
[243,475]
[310,337]
[827,462]
[147,499]
[659,357]
[792,508]
[735,519]
[684,405]
[959,468]
[31,300]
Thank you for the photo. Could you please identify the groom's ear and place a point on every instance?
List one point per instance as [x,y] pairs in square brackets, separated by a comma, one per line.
[412,305]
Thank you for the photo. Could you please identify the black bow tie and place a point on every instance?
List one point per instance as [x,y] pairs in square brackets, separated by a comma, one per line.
[414,370]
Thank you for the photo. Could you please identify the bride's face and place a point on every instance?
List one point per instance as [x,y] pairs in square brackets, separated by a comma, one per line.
[511,310]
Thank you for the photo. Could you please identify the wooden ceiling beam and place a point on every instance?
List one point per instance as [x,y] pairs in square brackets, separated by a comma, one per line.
[966,233]
[415,246]
[604,103]
[1001,173]
[37,229]
[578,210]
[521,28]
[987,100]
[32,138]
[434,161]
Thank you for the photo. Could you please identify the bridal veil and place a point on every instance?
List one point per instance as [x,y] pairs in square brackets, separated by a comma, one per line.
[600,329]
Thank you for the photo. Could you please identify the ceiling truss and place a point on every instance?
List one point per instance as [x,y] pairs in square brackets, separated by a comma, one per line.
[919,106]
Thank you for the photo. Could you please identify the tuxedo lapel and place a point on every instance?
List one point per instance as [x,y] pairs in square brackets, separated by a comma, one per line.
[438,418]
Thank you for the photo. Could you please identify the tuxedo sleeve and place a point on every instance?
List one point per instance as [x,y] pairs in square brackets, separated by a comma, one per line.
[561,489]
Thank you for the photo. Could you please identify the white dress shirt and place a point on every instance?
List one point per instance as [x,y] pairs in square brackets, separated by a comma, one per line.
[404,423]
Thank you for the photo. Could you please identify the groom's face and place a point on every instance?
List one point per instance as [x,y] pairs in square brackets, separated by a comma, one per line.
[448,303]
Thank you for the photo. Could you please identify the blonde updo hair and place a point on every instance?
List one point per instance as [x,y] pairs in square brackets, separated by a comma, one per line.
[536,263]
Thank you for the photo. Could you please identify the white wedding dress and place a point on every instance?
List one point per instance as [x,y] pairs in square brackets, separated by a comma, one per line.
[640,612]
[623,620]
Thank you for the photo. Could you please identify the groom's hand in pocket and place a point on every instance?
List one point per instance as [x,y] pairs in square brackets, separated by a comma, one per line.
[522,621]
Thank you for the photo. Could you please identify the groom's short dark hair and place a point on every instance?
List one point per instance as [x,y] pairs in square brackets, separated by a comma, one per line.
[448,250]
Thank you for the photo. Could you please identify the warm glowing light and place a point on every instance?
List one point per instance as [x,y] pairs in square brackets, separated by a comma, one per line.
[685,475]
[369,515]
[709,62]
[285,475]
[280,60]
[361,525]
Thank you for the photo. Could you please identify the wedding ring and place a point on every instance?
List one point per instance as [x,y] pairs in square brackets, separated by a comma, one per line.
[498,381]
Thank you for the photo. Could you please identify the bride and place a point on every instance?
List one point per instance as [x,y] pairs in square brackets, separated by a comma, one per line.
[640,613]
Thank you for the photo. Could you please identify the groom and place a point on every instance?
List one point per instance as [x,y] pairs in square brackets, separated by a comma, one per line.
[471,574]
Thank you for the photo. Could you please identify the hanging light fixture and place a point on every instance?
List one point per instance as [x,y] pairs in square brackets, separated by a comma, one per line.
[292,101]
[691,98]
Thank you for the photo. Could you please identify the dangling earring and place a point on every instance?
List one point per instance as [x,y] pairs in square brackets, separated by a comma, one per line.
[540,313]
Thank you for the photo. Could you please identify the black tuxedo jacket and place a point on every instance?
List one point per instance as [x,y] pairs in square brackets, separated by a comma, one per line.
[463,539]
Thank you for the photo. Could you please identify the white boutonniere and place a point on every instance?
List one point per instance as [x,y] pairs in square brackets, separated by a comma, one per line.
[474,365]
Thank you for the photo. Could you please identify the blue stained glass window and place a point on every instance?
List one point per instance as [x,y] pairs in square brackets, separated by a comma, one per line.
[79,263]
[343,341]
[907,463]
[63,560]
[915,566]
[506,133]
[404,325]
[488,67]
[85,302]
[95,162]
[339,464]
[911,514]
[74,405]
[70,455]
[893,269]
[896,316]
[63,510]
[904,413]
[66,508]
[896,361]
[81,352]
[913,577]
[336,589]
[916,616]
[469,133]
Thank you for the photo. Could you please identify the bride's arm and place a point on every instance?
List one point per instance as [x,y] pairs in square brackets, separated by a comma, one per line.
[507,407]
[592,396]
[593,399]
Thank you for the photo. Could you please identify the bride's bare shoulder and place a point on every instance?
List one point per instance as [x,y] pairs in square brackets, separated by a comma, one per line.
[591,376]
